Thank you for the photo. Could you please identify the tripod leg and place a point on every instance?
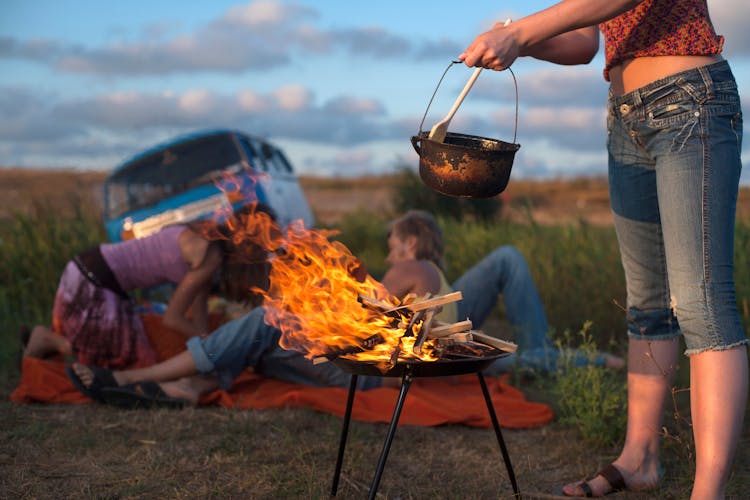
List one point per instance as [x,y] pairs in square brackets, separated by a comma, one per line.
[344,433]
[499,434]
[405,383]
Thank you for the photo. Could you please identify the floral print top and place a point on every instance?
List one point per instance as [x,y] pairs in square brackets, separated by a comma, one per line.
[660,28]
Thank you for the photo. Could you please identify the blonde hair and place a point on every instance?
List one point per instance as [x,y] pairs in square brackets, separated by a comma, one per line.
[425,228]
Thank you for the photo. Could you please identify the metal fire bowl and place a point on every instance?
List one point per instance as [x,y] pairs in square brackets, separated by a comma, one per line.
[465,165]
[440,368]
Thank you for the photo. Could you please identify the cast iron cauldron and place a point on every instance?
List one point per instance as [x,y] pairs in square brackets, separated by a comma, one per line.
[466,165]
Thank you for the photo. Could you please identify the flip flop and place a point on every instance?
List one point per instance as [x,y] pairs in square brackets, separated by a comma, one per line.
[141,395]
[103,378]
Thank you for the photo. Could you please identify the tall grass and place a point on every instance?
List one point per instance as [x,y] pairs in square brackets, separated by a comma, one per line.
[34,248]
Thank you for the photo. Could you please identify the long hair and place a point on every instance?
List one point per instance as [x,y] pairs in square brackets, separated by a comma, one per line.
[425,228]
[245,266]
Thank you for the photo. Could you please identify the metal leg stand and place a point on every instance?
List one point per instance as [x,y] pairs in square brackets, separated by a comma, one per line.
[499,434]
[405,383]
[344,434]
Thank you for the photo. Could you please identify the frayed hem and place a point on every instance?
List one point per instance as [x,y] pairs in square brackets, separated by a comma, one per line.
[690,352]
[665,336]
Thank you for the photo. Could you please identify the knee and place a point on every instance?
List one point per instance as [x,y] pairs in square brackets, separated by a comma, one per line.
[508,255]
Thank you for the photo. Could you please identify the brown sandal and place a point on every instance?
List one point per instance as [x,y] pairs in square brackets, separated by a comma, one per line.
[613,477]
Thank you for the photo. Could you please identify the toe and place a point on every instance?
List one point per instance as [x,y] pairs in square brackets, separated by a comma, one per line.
[84,373]
[573,490]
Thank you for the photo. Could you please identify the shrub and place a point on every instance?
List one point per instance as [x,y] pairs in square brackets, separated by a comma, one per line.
[410,192]
[592,399]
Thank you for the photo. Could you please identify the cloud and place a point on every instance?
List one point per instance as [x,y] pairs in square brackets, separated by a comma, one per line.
[259,35]
[728,21]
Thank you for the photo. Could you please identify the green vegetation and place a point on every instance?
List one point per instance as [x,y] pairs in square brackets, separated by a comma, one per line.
[34,248]
[576,267]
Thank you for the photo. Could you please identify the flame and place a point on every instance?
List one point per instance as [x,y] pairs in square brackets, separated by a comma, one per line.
[313,295]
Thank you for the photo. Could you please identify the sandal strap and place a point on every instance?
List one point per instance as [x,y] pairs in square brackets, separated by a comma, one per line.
[613,477]
[587,491]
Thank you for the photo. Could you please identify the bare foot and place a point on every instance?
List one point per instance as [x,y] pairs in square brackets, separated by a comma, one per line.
[44,343]
[190,388]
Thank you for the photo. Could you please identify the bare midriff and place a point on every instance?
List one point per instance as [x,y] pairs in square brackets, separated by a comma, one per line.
[640,71]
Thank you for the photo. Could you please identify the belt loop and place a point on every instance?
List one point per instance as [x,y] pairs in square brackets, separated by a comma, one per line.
[638,105]
[707,81]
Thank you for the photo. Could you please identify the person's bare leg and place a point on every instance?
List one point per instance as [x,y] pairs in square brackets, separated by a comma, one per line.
[651,367]
[176,367]
[190,388]
[718,394]
[43,342]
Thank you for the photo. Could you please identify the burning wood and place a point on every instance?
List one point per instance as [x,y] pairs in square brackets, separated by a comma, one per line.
[366,344]
[475,336]
[416,321]
[424,331]
[443,329]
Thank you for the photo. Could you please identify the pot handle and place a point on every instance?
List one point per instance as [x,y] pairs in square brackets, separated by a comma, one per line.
[415,142]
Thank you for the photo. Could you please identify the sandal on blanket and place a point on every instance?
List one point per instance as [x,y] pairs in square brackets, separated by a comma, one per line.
[611,475]
[102,378]
[141,395]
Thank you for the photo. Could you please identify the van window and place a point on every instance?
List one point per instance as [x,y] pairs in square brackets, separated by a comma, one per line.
[170,171]
[276,159]
[253,155]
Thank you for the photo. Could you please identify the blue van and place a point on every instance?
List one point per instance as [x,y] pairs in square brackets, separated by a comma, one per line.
[182,180]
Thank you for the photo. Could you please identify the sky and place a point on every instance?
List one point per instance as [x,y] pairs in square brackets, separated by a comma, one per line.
[340,86]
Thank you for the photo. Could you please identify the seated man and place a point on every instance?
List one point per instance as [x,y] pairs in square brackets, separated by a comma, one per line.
[416,253]
[415,257]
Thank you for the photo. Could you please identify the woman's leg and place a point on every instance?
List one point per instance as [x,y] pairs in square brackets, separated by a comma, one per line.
[718,394]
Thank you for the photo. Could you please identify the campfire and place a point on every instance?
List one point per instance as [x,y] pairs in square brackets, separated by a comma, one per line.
[327,307]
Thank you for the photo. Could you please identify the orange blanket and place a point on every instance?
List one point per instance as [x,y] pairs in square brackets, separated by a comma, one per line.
[430,401]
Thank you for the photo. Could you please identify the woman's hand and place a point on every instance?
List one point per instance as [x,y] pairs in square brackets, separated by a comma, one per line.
[495,49]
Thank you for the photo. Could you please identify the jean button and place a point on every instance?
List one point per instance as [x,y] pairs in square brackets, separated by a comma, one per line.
[624,109]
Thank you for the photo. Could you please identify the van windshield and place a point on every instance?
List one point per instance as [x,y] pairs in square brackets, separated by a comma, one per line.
[167,172]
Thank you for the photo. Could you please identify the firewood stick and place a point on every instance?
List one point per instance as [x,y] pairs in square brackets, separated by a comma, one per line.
[427,304]
[444,329]
[424,331]
[366,345]
[373,302]
[483,338]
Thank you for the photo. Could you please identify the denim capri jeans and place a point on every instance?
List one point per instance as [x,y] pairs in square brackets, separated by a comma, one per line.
[674,168]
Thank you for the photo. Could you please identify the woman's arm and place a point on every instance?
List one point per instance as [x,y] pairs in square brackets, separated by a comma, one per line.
[564,33]
[191,294]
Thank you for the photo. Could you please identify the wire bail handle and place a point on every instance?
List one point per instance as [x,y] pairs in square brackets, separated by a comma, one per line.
[515,86]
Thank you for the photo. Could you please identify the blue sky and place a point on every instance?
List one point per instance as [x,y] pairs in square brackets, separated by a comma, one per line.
[341,86]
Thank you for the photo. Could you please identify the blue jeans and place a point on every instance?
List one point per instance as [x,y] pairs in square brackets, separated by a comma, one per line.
[248,342]
[674,168]
[504,272]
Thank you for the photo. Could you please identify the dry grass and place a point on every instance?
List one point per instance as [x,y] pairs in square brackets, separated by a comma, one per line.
[93,451]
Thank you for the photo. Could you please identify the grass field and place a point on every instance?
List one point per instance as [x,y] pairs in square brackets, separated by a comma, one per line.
[65,451]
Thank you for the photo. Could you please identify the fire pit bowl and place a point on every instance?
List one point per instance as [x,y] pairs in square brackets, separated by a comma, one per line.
[417,368]
[465,165]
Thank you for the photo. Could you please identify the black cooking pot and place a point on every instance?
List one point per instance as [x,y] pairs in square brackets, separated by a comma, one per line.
[465,165]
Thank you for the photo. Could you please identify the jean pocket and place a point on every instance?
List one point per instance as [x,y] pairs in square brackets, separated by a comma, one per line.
[671,113]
